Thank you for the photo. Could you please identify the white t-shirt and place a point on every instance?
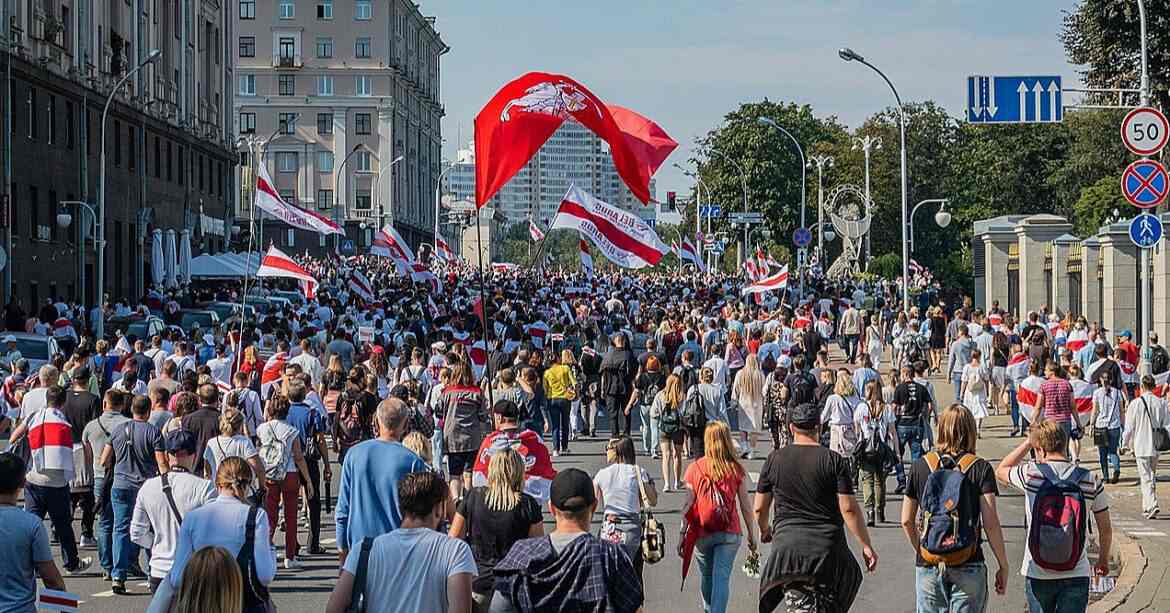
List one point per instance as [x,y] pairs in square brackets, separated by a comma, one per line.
[619,487]
[1108,408]
[283,431]
[222,447]
[410,567]
[1027,478]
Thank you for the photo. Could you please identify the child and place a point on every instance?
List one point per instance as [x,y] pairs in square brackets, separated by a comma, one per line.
[25,543]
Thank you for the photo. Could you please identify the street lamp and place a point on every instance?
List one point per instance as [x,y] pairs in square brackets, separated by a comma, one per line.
[100,225]
[336,187]
[743,183]
[942,217]
[850,55]
[64,220]
[825,231]
[768,121]
[699,187]
[821,161]
[867,143]
[438,196]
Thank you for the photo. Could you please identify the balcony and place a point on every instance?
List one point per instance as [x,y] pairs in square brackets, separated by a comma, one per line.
[354,214]
[287,61]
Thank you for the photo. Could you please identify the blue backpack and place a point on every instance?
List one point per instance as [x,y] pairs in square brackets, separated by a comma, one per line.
[950,530]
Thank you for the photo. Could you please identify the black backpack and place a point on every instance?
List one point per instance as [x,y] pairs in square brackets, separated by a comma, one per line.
[255,593]
[1159,360]
[694,414]
[801,389]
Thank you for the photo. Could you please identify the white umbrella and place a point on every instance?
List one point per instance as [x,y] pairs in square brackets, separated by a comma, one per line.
[185,256]
[156,258]
[171,259]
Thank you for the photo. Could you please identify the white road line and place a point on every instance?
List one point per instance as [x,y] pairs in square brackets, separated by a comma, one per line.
[1146,533]
[105,594]
[328,541]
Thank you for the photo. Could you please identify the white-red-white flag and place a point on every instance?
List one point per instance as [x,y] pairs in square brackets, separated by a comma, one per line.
[360,285]
[56,600]
[586,258]
[388,243]
[421,274]
[619,235]
[277,264]
[690,254]
[1027,394]
[1017,366]
[443,250]
[775,282]
[1083,397]
[269,201]
[749,266]
[273,369]
[1077,339]
[534,231]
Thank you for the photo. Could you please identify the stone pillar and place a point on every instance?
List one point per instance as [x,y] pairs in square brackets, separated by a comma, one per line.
[1061,285]
[1160,308]
[386,155]
[1090,285]
[1119,258]
[995,261]
[1034,233]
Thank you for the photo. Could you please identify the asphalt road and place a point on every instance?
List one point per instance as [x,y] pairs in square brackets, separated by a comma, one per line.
[890,589]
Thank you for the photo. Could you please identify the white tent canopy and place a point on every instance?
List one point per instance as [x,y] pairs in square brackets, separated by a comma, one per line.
[158,273]
[224,265]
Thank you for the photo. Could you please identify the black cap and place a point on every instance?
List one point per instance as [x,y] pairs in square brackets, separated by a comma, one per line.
[507,409]
[181,440]
[572,490]
[805,416]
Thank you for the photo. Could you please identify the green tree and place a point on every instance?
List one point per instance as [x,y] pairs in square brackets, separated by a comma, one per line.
[1097,202]
[1104,37]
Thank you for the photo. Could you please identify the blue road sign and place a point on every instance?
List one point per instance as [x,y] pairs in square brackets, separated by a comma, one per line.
[1144,183]
[710,210]
[1145,230]
[1034,99]
[802,237]
[346,247]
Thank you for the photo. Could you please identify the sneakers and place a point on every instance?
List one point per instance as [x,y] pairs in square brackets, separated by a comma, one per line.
[292,564]
[119,586]
[87,542]
[1152,513]
[82,565]
[556,454]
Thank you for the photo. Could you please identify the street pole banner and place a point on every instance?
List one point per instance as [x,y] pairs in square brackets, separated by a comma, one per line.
[619,235]
[269,201]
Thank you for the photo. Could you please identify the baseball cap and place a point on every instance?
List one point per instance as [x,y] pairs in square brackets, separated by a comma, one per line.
[181,440]
[1126,334]
[506,408]
[9,339]
[805,416]
[572,490]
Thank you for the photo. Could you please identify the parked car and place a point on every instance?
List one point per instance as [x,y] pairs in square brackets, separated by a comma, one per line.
[229,310]
[206,320]
[35,348]
[296,298]
[143,328]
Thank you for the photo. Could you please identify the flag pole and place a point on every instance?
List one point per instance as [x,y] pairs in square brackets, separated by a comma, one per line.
[483,307]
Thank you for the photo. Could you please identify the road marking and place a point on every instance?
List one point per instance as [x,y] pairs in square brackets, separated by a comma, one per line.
[1147,533]
[755,477]
[328,541]
[105,594]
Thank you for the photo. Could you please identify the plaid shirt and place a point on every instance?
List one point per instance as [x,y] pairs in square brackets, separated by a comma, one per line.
[589,575]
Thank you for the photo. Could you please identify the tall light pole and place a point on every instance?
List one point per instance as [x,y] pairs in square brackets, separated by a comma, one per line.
[1145,101]
[337,205]
[867,143]
[64,219]
[942,217]
[803,167]
[850,55]
[743,184]
[820,161]
[377,181]
[699,187]
[438,190]
[100,324]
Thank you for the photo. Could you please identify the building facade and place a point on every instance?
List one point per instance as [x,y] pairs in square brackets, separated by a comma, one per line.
[343,101]
[167,138]
[573,155]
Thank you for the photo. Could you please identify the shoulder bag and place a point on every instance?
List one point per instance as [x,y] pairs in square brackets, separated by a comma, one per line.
[1160,437]
[653,533]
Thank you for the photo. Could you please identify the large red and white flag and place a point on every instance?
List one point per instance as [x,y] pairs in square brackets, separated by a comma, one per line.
[273,369]
[538,466]
[774,282]
[422,274]
[619,235]
[443,251]
[1083,397]
[586,258]
[277,264]
[388,243]
[269,201]
[360,285]
[1017,366]
[50,442]
[690,254]
[1027,394]
[1077,339]
[1161,383]
[749,266]
[534,231]
[478,354]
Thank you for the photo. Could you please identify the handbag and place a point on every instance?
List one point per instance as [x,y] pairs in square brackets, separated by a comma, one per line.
[1160,436]
[653,534]
[1100,437]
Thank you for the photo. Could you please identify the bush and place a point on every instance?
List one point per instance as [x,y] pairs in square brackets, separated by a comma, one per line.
[887,266]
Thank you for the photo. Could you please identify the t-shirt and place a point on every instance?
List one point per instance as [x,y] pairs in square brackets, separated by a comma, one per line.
[619,487]
[222,447]
[1028,479]
[204,423]
[408,569]
[913,400]
[135,443]
[97,434]
[283,432]
[979,480]
[492,533]
[80,408]
[804,481]
[25,542]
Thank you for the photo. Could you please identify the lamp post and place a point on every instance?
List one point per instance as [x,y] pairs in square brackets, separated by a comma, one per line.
[820,161]
[64,219]
[699,187]
[438,189]
[942,217]
[743,183]
[100,229]
[867,143]
[850,55]
[803,167]
[377,181]
[337,205]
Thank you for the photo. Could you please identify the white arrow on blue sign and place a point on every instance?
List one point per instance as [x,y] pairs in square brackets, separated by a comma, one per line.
[711,210]
[1145,230]
[1035,99]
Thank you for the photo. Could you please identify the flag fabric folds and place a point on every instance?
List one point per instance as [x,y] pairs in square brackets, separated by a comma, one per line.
[269,201]
[619,235]
[777,281]
[649,142]
[50,442]
[443,251]
[273,369]
[360,285]
[586,258]
[690,254]
[534,231]
[277,264]
[388,243]
[538,466]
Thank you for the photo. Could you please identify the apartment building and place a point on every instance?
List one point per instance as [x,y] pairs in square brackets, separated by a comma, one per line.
[342,99]
[168,142]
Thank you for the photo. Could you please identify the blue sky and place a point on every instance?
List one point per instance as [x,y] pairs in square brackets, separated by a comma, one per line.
[685,63]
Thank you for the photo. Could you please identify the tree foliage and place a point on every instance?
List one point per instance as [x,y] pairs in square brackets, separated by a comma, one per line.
[1104,36]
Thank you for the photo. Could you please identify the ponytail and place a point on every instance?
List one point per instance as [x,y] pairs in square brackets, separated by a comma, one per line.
[234,474]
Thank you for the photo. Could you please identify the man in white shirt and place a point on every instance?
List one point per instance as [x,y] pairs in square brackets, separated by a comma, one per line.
[221,365]
[34,399]
[717,365]
[157,515]
[309,362]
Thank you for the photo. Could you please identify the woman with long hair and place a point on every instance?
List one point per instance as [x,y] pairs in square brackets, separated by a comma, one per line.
[466,422]
[275,431]
[735,354]
[333,382]
[534,400]
[353,419]
[667,409]
[838,414]
[493,517]
[253,366]
[380,368]
[619,489]
[938,338]
[212,583]
[646,387]
[560,388]
[718,471]
[231,442]
[776,396]
[748,391]
[1106,423]
[875,421]
[973,389]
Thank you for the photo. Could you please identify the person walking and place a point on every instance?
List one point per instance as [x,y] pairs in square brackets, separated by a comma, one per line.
[748,392]
[231,442]
[874,421]
[212,584]
[280,446]
[838,413]
[560,388]
[667,409]
[974,389]
[624,490]
[1142,416]
[958,357]
[618,368]
[1055,400]
[467,421]
[646,388]
[1106,423]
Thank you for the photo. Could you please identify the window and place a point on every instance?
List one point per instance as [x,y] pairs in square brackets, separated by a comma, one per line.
[324,161]
[247,85]
[362,159]
[324,123]
[324,199]
[325,85]
[32,112]
[247,9]
[181,165]
[288,195]
[290,237]
[117,143]
[157,157]
[324,47]
[363,10]
[287,85]
[69,138]
[363,85]
[286,161]
[287,9]
[361,123]
[34,205]
[132,148]
[288,47]
[361,47]
[325,9]
[362,199]
[247,46]
[52,131]
[170,161]
[287,122]
[247,123]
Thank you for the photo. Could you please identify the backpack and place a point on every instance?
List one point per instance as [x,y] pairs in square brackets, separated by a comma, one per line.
[689,376]
[669,421]
[255,593]
[1159,360]
[421,423]
[769,363]
[950,532]
[417,378]
[712,510]
[274,455]
[647,394]
[914,350]
[349,429]
[802,390]
[1059,520]
[694,414]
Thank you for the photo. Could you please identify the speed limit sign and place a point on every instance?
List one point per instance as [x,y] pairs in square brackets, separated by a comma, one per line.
[1145,130]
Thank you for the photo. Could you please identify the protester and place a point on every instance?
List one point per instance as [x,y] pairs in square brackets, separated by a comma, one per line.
[560,388]
[25,543]
[618,369]
[1142,416]
[874,421]
[646,388]
[667,410]
[747,391]
[1106,423]
[212,583]
[285,471]
[624,490]
[466,422]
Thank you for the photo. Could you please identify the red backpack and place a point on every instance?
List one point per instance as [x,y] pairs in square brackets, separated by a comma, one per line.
[713,504]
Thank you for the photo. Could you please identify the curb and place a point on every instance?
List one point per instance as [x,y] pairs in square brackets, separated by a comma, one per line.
[1133,565]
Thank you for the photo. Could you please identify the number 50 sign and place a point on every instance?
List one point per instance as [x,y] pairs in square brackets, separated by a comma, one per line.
[1145,131]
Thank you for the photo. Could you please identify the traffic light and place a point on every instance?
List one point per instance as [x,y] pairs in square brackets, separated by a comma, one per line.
[671,199]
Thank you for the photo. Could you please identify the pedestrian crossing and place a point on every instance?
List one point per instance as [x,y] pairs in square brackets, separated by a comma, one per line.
[1137,528]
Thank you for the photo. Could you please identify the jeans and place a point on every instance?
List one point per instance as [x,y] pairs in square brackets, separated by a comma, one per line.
[957,382]
[558,416]
[1057,595]
[55,502]
[125,551]
[286,491]
[851,347]
[1108,453]
[85,500]
[649,430]
[105,529]
[436,445]
[1015,406]
[958,589]
[715,554]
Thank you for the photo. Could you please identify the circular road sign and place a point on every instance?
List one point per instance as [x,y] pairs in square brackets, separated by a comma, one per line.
[1145,230]
[1144,183]
[802,237]
[1145,131]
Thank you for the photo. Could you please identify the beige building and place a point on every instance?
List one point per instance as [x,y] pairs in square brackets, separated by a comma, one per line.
[345,87]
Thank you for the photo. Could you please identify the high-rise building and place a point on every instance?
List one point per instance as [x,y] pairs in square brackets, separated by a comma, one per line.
[574,154]
[349,91]
[167,139]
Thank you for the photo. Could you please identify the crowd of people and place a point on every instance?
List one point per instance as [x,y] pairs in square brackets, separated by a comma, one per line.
[447,405]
